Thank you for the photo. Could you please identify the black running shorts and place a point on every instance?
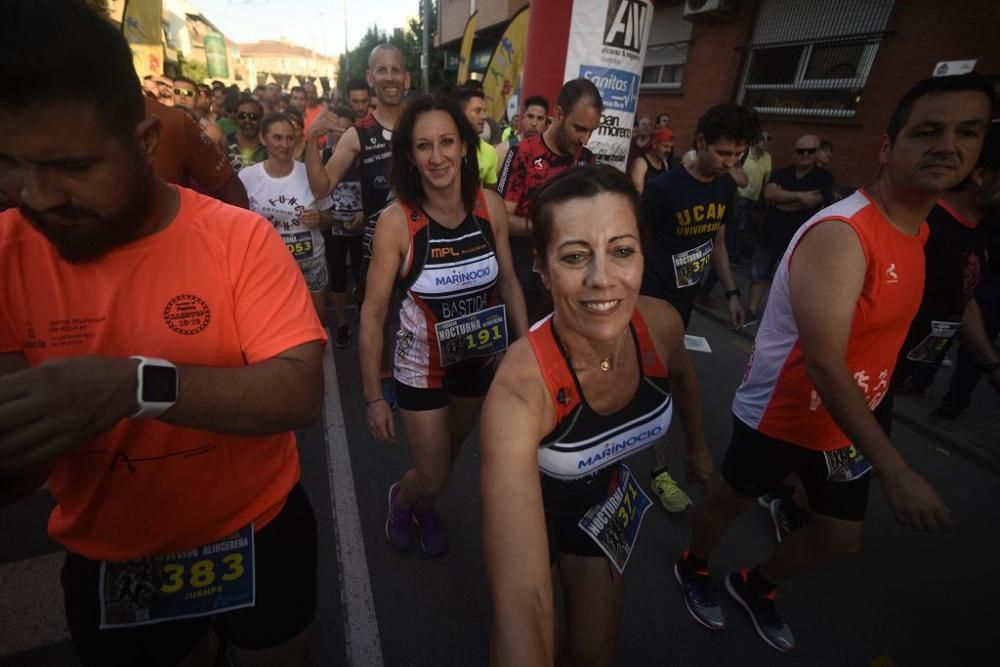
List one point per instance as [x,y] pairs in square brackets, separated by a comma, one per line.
[466,379]
[566,501]
[756,463]
[285,571]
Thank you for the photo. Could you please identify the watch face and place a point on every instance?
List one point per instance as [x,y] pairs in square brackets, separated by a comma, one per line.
[159,384]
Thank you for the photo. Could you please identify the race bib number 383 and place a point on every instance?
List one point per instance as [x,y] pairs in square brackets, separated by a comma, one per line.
[210,579]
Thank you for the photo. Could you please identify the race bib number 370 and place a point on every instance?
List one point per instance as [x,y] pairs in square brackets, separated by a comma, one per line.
[210,579]
[614,524]
[691,265]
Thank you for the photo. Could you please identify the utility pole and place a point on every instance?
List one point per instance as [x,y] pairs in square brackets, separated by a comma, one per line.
[347,51]
[425,55]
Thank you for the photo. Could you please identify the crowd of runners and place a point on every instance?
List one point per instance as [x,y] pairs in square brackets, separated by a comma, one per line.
[166,274]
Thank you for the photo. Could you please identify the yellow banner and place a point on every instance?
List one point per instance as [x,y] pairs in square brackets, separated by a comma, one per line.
[506,65]
[142,25]
[465,53]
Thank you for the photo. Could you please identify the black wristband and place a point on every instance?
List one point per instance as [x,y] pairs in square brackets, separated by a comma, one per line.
[733,292]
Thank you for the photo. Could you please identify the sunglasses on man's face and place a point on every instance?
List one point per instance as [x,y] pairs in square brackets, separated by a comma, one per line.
[805,151]
[184,92]
[247,115]
[165,94]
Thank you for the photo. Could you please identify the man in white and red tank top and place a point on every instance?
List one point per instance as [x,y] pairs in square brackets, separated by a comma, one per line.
[839,309]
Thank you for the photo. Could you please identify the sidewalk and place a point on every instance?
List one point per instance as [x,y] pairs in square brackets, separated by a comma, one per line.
[975,435]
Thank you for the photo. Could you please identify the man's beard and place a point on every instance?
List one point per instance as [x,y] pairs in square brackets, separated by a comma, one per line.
[94,236]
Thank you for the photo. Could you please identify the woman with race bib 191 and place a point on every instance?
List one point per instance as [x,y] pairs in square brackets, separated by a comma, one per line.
[592,384]
[443,245]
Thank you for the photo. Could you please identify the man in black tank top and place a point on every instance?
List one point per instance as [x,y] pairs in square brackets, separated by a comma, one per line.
[657,161]
[368,141]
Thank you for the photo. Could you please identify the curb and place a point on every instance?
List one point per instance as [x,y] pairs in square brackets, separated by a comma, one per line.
[933,431]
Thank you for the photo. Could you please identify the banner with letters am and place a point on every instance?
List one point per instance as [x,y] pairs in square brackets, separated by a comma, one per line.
[607,45]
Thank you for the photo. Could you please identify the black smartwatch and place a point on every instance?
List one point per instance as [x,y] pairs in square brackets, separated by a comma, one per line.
[733,292]
[156,387]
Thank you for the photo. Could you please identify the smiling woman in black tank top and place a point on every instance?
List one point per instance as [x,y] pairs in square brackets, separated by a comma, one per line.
[443,246]
[592,384]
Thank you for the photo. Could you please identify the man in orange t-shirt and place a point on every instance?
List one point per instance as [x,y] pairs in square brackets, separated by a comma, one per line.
[846,290]
[187,156]
[313,108]
[157,349]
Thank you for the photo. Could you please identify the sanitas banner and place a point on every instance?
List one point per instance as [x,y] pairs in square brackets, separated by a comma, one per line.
[607,45]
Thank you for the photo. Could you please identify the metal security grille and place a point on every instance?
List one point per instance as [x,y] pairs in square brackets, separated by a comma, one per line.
[812,57]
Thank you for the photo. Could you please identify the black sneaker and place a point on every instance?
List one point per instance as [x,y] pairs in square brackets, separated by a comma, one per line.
[763,611]
[701,597]
[343,336]
[787,516]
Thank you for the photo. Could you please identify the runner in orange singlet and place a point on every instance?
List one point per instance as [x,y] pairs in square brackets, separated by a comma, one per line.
[840,306]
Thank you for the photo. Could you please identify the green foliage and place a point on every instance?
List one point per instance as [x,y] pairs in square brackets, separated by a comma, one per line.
[197,72]
[409,42]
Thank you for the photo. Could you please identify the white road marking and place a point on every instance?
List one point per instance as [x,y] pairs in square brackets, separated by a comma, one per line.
[364,646]
[33,612]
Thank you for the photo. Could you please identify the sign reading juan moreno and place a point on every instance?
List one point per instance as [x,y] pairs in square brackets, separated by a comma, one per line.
[607,45]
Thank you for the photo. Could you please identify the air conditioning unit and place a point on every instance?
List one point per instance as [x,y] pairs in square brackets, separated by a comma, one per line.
[704,10]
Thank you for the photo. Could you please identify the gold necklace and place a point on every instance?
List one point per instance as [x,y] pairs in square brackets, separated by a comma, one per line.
[606,362]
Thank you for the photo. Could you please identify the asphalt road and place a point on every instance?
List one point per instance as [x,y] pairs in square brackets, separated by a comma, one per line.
[911,598]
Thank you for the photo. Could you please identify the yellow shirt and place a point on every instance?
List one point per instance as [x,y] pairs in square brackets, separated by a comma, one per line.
[758,170]
[487,156]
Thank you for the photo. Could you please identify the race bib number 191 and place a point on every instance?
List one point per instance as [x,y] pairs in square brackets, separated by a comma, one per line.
[207,580]
[614,524]
[481,334]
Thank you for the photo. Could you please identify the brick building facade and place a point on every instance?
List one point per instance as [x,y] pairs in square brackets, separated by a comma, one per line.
[494,15]
[835,69]
[915,36]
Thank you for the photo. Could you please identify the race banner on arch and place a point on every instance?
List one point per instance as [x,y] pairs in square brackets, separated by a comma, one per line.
[607,45]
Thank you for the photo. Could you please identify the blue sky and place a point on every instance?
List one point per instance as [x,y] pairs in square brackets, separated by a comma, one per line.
[300,21]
